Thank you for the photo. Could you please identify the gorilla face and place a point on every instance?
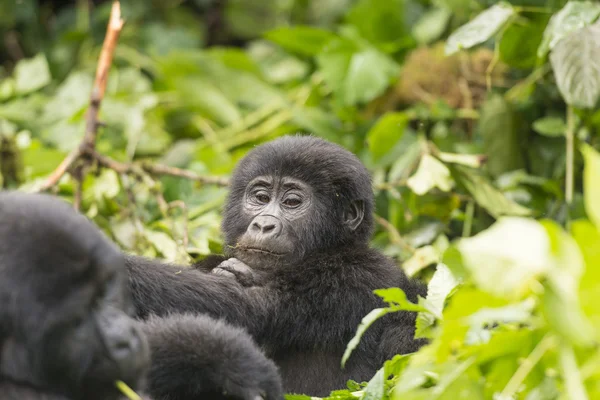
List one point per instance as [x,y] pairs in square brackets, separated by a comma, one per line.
[295,196]
[64,303]
[277,209]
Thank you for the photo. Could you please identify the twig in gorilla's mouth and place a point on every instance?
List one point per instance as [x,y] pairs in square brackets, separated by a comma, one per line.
[260,250]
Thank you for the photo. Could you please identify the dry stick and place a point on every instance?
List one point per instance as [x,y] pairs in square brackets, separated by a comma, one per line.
[88,143]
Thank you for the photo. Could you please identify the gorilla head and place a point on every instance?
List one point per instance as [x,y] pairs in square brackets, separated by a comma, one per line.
[64,304]
[295,196]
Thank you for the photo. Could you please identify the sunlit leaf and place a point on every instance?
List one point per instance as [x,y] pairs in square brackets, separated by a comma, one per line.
[440,286]
[388,130]
[480,29]
[431,174]
[32,74]
[508,257]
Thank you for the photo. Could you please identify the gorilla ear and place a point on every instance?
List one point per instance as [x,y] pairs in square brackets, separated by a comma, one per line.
[354,214]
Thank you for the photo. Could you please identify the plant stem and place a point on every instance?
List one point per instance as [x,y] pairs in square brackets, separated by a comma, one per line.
[569,168]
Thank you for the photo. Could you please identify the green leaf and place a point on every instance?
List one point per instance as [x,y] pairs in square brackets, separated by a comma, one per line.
[388,130]
[501,138]
[440,286]
[431,25]
[520,42]
[163,243]
[375,389]
[576,63]
[379,21]
[370,72]
[506,258]
[304,40]
[32,74]
[430,174]
[480,29]
[591,183]
[574,16]
[355,75]
[397,300]
[550,126]
[487,195]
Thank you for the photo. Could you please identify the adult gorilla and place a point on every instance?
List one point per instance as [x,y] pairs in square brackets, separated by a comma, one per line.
[65,326]
[65,332]
[297,225]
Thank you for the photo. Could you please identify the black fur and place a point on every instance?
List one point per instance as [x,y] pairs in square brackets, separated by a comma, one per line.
[310,274]
[65,332]
[231,364]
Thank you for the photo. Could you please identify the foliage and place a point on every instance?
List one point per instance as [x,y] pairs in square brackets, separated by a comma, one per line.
[479,121]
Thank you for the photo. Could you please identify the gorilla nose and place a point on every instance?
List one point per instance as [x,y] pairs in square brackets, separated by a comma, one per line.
[266,225]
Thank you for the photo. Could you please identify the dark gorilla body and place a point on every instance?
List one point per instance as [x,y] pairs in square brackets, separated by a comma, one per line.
[66,331]
[300,275]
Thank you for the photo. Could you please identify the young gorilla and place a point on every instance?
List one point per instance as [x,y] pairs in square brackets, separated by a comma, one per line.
[65,326]
[297,225]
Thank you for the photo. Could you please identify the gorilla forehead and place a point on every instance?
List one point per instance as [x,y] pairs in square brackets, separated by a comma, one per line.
[52,227]
[327,167]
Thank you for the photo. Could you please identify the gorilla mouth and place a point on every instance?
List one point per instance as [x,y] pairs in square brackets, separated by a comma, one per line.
[260,250]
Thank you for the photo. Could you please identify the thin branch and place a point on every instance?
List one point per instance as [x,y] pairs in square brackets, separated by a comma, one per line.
[155,169]
[115,24]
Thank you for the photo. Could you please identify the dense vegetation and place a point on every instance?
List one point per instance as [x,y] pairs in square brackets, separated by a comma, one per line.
[478,120]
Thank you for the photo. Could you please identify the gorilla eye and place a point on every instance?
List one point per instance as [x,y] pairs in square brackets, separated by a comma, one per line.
[292,202]
[262,197]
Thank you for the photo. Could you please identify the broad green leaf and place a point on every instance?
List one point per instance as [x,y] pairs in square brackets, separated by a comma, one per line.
[508,257]
[304,40]
[480,29]
[501,138]
[487,195]
[388,130]
[440,286]
[72,96]
[431,174]
[574,16]
[431,25]
[550,126]
[422,257]
[397,300]
[370,72]
[576,63]
[379,21]
[32,74]
[591,183]
[375,389]
[163,243]
[520,41]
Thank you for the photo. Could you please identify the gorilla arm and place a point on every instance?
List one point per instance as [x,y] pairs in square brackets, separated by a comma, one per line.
[195,356]
[160,288]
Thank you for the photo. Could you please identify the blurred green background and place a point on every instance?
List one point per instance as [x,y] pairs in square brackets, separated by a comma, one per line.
[464,111]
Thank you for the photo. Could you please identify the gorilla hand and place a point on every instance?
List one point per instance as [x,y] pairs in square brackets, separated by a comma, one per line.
[235,268]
